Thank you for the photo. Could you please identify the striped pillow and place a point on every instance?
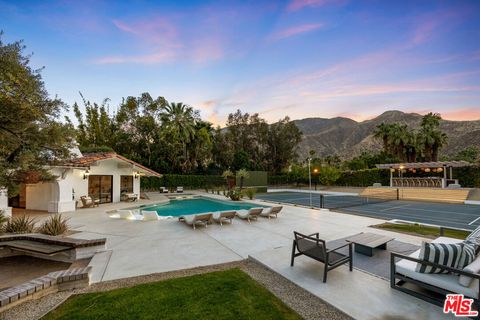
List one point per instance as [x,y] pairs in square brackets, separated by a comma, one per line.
[467,256]
[445,254]
[474,236]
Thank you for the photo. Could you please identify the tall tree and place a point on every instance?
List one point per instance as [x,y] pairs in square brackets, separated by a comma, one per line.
[30,134]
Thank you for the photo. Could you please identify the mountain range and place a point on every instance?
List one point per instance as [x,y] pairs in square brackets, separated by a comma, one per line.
[348,138]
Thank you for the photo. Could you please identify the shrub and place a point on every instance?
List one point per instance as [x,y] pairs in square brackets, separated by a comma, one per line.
[250,193]
[22,224]
[3,220]
[234,194]
[186,181]
[54,226]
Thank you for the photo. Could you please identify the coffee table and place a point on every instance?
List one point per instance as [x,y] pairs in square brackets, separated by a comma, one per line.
[365,242]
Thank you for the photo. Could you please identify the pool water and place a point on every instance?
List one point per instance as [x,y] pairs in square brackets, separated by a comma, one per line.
[180,207]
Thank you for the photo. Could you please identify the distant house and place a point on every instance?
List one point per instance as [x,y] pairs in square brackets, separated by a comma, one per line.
[103,176]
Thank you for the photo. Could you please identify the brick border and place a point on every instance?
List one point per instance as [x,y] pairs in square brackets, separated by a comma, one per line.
[53,282]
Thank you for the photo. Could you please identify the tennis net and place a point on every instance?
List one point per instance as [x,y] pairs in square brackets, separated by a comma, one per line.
[330,201]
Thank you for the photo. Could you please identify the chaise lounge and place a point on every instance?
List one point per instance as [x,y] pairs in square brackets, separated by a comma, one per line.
[194,219]
[253,213]
[270,212]
[223,216]
[313,247]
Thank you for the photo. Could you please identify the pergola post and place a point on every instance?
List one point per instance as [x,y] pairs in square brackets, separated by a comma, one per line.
[444,181]
[391,178]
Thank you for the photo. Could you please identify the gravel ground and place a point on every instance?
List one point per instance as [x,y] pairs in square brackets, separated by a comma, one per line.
[304,303]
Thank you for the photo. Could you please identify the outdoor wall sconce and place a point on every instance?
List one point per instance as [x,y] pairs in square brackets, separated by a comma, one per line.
[136,175]
[86,174]
[392,170]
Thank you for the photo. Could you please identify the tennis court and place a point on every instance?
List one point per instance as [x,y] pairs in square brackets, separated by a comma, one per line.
[442,214]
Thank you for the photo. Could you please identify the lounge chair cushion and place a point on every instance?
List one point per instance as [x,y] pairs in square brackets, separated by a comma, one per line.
[474,236]
[473,267]
[243,214]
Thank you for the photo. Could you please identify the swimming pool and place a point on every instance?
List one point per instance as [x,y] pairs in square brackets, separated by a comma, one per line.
[180,207]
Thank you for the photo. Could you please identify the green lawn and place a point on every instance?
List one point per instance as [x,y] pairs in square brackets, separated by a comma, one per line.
[426,231]
[230,294]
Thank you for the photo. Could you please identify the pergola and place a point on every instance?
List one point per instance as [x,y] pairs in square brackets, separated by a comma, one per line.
[434,166]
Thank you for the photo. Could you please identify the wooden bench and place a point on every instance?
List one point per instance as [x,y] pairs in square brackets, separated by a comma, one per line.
[34,247]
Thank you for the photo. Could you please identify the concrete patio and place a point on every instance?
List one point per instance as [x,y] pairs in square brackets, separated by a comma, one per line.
[140,248]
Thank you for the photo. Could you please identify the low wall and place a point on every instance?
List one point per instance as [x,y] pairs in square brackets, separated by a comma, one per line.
[53,282]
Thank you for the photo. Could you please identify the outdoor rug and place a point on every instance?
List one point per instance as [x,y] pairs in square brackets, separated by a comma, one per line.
[379,264]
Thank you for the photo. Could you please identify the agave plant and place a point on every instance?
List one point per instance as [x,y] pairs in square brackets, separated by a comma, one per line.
[21,224]
[54,226]
[3,220]
[250,193]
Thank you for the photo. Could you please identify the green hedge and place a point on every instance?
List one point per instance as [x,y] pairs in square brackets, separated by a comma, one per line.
[468,177]
[255,178]
[186,181]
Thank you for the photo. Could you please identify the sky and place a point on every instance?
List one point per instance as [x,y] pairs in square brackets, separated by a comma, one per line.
[301,58]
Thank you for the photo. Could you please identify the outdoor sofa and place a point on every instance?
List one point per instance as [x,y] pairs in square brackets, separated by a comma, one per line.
[464,281]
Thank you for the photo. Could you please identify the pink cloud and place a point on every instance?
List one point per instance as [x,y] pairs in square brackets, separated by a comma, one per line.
[161,57]
[431,24]
[206,50]
[296,30]
[296,5]
[462,114]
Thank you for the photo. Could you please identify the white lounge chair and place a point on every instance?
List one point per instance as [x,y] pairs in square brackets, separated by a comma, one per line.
[126,214]
[251,214]
[270,212]
[194,219]
[163,190]
[179,189]
[150,215]
[220,217]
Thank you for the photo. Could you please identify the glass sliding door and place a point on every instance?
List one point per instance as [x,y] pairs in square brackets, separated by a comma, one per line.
[126,184]
[100,187]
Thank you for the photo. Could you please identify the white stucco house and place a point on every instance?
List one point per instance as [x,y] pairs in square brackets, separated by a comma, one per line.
[103,176]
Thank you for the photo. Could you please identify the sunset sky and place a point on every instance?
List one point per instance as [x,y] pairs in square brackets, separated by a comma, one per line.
[302,58]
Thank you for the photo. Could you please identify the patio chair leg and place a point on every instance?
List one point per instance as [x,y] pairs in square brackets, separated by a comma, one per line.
[350,262]
[293,254]
[325,270]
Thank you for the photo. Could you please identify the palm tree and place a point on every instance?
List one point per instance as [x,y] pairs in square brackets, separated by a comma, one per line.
[382,132]
[242,174]
[398,139]
[179,124]
[431,137]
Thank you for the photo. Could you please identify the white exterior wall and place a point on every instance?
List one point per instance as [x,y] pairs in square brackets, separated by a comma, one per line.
[110,168]
[7,211]
[62,195]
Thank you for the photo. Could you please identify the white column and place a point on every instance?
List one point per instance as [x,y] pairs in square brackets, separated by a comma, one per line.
[7,211]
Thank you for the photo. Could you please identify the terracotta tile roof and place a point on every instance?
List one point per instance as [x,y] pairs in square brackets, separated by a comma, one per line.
[89,159]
